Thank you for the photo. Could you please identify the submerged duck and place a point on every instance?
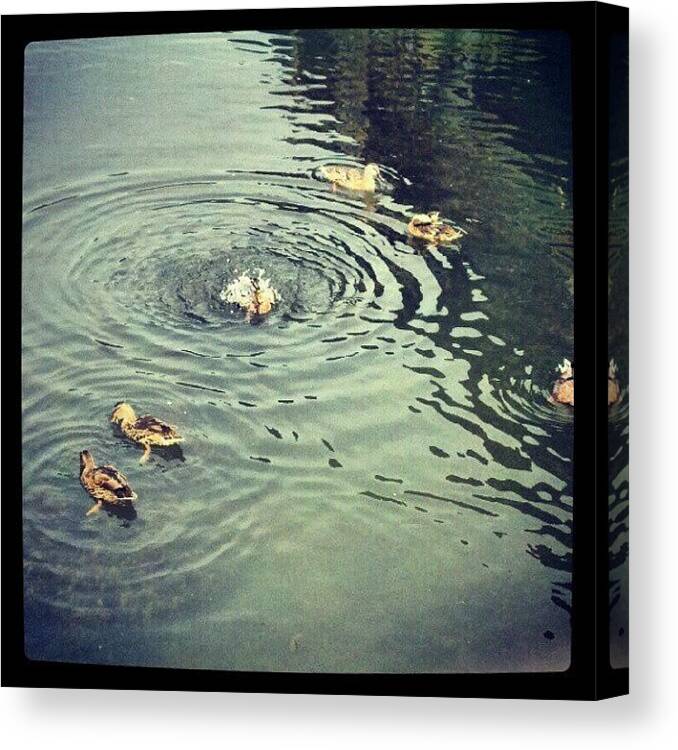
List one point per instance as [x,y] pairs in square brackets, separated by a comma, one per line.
[253,294]
[352,178]
[613,387]
[431,229]
[146,430]
[563,388]
[105,484]
[263,299]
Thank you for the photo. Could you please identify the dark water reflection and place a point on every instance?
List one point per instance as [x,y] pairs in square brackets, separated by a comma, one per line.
[618,339]
[372,478]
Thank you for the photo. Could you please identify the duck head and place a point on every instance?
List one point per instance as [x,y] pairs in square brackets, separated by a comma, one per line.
[86,461]
[122,413]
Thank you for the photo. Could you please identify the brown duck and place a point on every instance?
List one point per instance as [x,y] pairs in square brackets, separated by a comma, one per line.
[563,388]
[613,387]
[105,484]
[262,301]
[431,229]
[147,430]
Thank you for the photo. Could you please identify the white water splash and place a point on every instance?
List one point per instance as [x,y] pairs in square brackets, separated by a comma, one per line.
[241,290]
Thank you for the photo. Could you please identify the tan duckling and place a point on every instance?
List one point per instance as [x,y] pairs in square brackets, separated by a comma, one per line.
[431,229]
[105,484]
[563,388]
[147,430]
[613,387]
[352,178]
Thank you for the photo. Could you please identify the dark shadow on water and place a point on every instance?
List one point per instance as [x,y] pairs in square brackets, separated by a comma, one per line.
[169,453]
[125,513]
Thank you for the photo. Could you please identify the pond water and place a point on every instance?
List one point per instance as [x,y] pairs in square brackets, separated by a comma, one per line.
[372,477]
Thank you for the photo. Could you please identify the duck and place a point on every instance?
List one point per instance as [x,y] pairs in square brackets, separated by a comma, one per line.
[105,484]
[563,388]
[146,430]
[613,387]
[431,229]
[263,299]
[352,178]
[253,294]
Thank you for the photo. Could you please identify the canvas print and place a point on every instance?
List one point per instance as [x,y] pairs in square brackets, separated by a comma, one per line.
[297,335]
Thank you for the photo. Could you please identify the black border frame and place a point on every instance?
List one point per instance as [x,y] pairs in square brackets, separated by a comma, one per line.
[589,676]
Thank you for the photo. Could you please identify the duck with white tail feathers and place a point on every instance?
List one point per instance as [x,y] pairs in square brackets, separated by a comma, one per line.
[106,484]
[253,294]
[563,389]
[431,229]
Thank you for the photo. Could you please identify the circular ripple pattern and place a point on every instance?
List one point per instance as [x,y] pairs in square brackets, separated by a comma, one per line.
[163,253]
[129,274]
[129,278]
